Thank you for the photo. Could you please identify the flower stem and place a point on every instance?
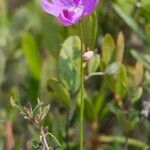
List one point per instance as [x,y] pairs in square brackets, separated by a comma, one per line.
[81,94]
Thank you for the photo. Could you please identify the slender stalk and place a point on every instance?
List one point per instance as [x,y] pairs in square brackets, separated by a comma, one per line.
[121,140]
[81,94]
[44,140]
[96,74]
[126,143]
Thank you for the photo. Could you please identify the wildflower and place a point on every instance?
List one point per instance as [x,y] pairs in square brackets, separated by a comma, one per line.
[69,12]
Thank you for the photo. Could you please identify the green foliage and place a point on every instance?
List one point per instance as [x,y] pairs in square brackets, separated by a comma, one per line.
[136,95]
[130,22]
[108,48]
[35,117]
[121,83]
[145,58]
[58,91]
[89,38]
[31,53]
[127,121]
[93,64]
[120,48]
[111,69]
[69,63]
[40,58]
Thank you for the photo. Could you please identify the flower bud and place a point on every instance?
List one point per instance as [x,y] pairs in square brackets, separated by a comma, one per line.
[88,55]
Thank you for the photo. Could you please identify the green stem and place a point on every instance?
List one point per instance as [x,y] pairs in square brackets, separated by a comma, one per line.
[119,139]
[81,95]
[126,143]
[96,74]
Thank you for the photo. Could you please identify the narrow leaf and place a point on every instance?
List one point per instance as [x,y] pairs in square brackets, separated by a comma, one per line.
[31,53]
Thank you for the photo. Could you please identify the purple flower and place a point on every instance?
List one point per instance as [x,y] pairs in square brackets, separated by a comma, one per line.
[69,12]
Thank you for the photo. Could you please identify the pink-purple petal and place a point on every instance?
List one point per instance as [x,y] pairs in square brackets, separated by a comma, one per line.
[69,12]
[89,6]
[50,8]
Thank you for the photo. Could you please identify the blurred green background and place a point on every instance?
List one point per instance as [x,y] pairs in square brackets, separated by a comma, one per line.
[34,63]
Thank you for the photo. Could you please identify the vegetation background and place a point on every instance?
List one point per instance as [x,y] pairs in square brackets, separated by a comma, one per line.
[39,59]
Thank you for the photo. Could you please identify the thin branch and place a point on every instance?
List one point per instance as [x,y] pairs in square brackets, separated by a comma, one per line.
[44,139]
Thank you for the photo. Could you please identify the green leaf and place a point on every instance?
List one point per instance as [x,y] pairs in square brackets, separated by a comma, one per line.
[121,83]
[53,142]
[127,121]
[58,91]
[136,95]
[52,34]
[108,47]
[69,63]
[100,98]
[14,103]
[45,111]
[90,24]
[94,64]
[120,48]
[112,68]
[129,21]
[113,108]
[89,109]
[94,27]
[138,73]
[144,58]
[133,118]
[31,53]
[37,107]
